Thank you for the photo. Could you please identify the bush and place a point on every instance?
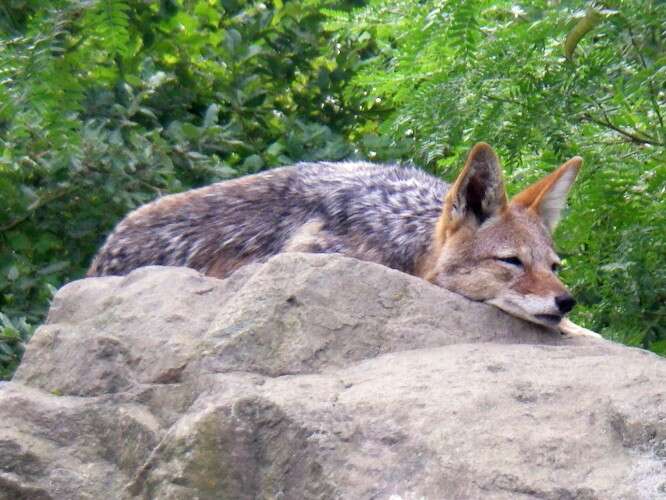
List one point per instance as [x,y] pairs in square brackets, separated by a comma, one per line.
[106,104]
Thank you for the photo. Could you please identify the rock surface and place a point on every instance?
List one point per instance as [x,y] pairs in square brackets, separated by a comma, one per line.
[320,377]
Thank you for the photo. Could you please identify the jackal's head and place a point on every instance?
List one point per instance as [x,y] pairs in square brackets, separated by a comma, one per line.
[499,251]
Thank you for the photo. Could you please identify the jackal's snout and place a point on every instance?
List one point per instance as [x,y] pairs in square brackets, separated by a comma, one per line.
[565,303]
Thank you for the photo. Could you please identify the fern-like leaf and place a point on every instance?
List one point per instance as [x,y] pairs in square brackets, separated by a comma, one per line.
[108,21]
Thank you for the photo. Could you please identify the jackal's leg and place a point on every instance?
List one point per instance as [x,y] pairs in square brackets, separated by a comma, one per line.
[311,237]
[571,329]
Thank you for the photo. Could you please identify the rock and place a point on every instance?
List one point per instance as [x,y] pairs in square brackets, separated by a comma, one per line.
[320,377]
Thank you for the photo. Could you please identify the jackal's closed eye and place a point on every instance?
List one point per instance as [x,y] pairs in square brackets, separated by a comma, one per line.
[514,261]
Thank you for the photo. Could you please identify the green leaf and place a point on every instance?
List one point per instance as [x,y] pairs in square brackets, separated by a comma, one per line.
[253,163]
[18,241]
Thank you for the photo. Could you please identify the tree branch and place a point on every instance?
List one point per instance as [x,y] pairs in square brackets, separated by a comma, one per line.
[633,137]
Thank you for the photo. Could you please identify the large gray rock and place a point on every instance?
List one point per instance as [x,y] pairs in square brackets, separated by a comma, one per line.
[318,376]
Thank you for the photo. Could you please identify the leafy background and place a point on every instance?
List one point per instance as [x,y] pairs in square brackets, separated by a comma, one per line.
[107,104]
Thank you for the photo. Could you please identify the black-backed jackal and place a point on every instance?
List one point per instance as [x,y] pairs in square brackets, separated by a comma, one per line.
[467,237]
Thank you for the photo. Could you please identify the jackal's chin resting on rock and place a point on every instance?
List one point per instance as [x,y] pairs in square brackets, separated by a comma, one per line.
[466,237]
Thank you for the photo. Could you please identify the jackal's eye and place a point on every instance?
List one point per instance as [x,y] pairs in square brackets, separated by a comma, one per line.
[514,261]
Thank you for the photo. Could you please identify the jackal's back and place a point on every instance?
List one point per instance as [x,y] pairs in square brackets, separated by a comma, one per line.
[383,213]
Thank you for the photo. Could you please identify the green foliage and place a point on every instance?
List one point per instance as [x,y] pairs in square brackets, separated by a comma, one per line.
[106,104]
[12,337]
[448,74]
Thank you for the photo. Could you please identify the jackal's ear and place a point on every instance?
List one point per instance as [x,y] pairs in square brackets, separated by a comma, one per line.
[548,196]
[478,192]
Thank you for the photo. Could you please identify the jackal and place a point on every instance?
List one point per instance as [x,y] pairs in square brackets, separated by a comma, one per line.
[466,237]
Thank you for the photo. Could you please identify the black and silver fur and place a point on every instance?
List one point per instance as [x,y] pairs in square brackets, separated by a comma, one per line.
[382,213]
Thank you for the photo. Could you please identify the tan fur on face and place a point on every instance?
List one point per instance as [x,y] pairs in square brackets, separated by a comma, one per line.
[468,264]
[469,250]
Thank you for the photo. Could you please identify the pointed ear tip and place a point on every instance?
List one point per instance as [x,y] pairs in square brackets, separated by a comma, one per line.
[482,151]
[575,162]
[482,147]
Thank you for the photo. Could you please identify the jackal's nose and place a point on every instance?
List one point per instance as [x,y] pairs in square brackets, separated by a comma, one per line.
[565,303]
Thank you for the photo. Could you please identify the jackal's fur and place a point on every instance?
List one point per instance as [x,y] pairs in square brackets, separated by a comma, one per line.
[466,237]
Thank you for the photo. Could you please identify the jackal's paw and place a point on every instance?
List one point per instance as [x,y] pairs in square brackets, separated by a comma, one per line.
[571,329]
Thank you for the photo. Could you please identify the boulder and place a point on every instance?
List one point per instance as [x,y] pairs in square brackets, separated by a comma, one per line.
[320,377]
